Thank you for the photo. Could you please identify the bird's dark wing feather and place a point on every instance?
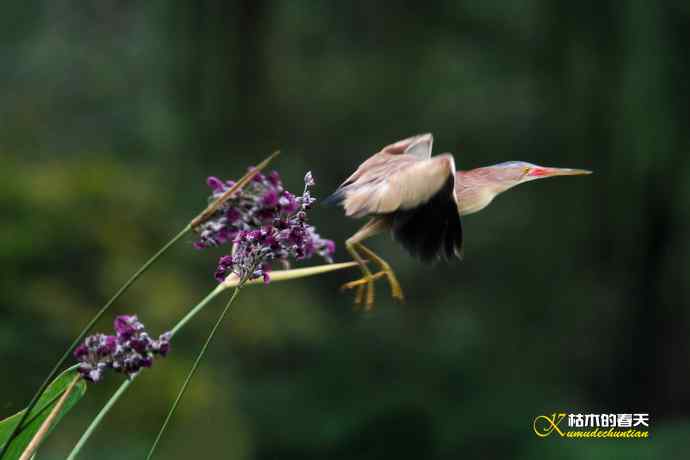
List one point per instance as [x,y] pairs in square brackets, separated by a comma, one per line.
[433,230]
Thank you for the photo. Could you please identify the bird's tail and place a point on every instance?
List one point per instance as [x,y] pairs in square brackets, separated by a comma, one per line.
[335,199]
[432,231]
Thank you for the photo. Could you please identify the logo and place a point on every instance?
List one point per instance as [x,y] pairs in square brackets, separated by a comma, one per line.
[592,426]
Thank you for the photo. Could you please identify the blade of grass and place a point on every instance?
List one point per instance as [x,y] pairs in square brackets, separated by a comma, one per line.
[47,424]
[193,370]
[41,411]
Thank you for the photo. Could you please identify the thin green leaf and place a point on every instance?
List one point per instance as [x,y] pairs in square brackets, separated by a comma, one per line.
[39,413]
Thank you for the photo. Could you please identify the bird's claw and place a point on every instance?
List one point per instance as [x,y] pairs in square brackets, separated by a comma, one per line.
[396,289]
[365,288]
[365,280]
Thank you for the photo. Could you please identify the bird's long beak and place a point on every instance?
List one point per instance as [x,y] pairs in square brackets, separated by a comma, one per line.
[541,171]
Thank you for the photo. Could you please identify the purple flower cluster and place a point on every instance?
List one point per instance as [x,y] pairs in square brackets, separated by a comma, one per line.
[128,351]
[286,235]
[256,205]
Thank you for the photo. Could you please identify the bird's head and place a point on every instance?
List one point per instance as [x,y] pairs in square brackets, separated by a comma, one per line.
[511,173]
[478,187]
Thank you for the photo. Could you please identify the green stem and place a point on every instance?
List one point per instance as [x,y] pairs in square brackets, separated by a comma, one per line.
[86,330]
[196,309]
[96,421]
[197,362]
[123,387]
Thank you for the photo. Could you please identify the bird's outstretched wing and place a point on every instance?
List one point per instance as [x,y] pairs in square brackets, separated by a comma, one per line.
[397,182]
[388,179]
[418,147]
[416,193]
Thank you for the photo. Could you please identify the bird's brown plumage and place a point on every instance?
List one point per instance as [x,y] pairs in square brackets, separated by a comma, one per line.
[413,191]
[399,177]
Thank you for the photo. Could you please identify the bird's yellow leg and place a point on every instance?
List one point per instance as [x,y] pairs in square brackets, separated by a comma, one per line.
[365,285]
[363,281]
[396,289]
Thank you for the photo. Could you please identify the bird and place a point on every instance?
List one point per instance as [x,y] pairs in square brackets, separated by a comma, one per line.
[420,199]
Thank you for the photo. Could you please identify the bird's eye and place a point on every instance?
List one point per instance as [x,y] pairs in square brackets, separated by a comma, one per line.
[525,170]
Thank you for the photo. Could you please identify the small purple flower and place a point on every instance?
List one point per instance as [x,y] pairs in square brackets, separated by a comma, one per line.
[274,180]
[128,351]
[309,180]
[233,215]
[126,326]
[255,205]
[260,203]
[326,249]
[270,199]
[216,184]
[81,351]
[224,265]
[288,203]
[283,233]
[162,345]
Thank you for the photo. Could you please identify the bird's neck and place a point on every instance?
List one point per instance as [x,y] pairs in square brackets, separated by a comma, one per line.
[476,189]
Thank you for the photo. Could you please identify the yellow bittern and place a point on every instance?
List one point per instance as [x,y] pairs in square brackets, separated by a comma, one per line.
[420,199]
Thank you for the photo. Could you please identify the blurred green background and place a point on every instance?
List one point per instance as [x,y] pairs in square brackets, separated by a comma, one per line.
[574,295]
